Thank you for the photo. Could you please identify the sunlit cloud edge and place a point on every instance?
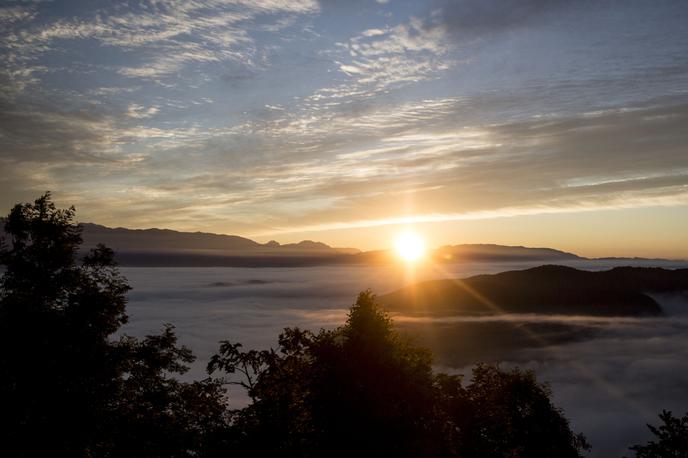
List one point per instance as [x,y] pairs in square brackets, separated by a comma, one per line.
[620,203]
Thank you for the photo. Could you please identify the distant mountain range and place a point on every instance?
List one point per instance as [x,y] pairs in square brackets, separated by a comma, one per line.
[162,247]
[548,289]
[165,247]
[166,240]
[487,252]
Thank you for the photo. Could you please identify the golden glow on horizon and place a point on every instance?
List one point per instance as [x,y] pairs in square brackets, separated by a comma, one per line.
[409,246]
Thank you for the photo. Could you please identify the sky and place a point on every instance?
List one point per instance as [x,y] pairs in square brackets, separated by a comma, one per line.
[559,123]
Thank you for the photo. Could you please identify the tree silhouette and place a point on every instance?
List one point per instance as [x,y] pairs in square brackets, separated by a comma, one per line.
[672,439]
[363,390]
[507,413]
[67,388]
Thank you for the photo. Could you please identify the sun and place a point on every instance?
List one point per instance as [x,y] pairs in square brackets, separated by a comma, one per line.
[409,246]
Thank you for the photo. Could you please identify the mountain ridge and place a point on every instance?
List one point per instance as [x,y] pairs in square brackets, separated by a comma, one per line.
[169,240]
[156,247]
[549,289]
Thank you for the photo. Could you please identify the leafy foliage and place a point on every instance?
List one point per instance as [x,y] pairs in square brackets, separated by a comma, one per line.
[508,413]
[63,378]
[672,439]
[362,387]
[69,387]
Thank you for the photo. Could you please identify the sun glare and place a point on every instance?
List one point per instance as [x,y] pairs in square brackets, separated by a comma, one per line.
[410,246]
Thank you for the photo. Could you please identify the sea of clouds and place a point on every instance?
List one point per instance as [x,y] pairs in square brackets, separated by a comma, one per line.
[612,380]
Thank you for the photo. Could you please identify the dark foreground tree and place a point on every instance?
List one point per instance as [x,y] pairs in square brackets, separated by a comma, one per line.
[67,388]
[507,413]
[362,390]
[671,439]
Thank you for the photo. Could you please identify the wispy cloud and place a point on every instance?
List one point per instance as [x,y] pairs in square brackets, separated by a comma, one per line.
[273,116]
[168,34]
[378,59]
[12,14]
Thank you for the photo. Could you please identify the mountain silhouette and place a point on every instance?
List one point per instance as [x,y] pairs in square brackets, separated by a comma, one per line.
[491,252]
[549,289]
[165,247]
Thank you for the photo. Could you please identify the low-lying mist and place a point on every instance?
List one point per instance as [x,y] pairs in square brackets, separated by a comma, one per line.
[610,375]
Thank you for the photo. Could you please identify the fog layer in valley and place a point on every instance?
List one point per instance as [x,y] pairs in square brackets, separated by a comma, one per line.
[610,375]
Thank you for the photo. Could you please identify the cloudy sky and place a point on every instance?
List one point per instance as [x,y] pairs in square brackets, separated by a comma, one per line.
[560,123]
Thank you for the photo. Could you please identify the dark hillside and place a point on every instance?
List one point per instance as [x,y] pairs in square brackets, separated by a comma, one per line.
[546,289]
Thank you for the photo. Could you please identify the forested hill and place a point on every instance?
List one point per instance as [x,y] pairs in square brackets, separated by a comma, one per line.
[622,291]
